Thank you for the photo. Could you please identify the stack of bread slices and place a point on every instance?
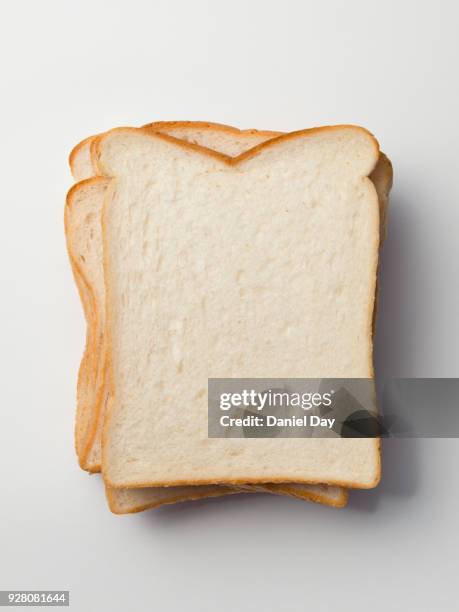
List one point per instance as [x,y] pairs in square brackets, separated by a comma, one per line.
[203,251]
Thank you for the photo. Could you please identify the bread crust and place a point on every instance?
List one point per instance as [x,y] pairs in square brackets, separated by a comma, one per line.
[116,508]
[96,150]
[170,125]
[85,431]
[98,141]
[77,148]
[208,125]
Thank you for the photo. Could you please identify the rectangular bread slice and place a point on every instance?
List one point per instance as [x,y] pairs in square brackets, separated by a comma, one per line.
[211,238]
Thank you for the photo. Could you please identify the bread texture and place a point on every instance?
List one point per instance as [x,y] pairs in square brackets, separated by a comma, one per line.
[85,245]
[86,214]
[234,213]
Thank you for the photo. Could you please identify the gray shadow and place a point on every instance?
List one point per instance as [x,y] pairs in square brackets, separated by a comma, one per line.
[400,475]
[198,510]
[393,347]
[393,354]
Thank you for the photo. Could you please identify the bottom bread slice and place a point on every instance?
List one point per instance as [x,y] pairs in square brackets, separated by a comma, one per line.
[128,501]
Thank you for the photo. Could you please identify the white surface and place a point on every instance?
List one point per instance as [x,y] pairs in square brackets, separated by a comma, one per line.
[73,68]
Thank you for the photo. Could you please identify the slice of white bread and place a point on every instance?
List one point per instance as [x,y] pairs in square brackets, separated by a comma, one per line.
[131,500]
[81,216]
[82,220]
[235,214]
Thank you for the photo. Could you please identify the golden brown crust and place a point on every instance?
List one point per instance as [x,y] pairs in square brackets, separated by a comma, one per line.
[96,144]
[76,150]
[156,126]
[85,431]
[96,149]
[89,307]
[285,489]
[84,371]
[115,507]
[382,177]
[207,125]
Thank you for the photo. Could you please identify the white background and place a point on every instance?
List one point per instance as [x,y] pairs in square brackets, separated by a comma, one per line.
[72,68]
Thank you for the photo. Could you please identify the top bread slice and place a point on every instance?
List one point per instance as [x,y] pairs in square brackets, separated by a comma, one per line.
[272,257]
[83,230]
